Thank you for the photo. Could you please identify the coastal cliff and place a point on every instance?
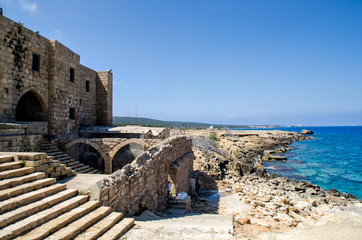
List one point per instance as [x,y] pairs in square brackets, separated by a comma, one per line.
[232,161]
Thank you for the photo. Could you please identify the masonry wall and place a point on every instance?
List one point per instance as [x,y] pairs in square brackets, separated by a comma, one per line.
[63,94]
[17,44]
[87,100]
[143,184]
[21,137]
[104,98]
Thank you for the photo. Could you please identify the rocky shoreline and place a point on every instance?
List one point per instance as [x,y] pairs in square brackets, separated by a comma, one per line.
[232,161]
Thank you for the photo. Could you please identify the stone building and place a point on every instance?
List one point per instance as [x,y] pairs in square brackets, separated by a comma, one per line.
[42,80]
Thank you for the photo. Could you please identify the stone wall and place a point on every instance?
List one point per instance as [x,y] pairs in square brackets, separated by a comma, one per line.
[88,99]
[63,94]
[104,98]
[17,44]
[24,137]
[143,184]
[177,172]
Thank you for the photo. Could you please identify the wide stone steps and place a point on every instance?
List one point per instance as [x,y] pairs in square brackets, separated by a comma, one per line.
[16,172]
[6,158]
[29,197]
[12,182]
[24,188]
[35,207]
[21,212]
[52,226]
[52,150]
[35,220]
[9,165]
[117,230]
[100,227]
[76,227]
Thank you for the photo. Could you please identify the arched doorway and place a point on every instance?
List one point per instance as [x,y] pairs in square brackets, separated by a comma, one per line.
[126,155]
[30,108]
[86,154]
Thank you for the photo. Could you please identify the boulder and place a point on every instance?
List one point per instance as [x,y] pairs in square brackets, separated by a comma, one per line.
[309,132]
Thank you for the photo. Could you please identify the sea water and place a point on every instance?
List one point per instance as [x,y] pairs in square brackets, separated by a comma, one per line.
[333,159]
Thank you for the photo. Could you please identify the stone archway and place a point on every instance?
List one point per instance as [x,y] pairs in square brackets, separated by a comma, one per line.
[89,153]
[31,108]
[125,153]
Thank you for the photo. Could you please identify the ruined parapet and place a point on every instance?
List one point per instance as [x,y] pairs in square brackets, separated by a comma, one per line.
[143,184]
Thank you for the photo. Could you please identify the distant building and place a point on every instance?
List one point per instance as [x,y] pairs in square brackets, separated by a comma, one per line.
[43,80]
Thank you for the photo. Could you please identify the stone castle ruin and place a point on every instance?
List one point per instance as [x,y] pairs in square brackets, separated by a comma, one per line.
[55,122]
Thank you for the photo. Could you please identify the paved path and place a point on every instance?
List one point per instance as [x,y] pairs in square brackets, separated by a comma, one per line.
[189,226]
[82,182]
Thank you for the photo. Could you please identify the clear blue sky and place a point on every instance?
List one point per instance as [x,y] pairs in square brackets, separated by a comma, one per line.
[225,61]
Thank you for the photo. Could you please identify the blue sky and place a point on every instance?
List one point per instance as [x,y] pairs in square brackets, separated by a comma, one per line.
[231,62]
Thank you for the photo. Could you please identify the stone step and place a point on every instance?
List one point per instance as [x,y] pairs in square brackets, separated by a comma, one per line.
[9,166]
[27,210]
[100,227]
[29,197]
[87,170]
[6,158]
[76,227]
[46,143]
[16,172]
[80,168]
[67,161]
[95,171]
[63,158]
[24,188]
[39,218]
[48,146]
[72,163]
[56,154]
[12,182]
[55,224]
[50,151]
[76,165]
[117,230]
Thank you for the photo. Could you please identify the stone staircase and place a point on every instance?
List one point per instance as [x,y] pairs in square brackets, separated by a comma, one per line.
[52,150]
[35,207]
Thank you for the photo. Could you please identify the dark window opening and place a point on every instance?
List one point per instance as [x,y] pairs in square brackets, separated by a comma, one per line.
[36,62]
[87,86]
[71,74]
[72,113]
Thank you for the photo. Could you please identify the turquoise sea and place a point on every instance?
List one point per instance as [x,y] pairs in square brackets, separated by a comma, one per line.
[332,160]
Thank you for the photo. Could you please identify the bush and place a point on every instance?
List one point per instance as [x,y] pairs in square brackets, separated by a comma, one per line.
[212,136]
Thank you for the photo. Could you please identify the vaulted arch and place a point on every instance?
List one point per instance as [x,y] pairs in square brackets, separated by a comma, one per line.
[86,151]
[31,107]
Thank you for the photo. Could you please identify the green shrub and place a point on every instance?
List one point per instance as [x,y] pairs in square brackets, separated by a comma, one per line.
[212,136]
